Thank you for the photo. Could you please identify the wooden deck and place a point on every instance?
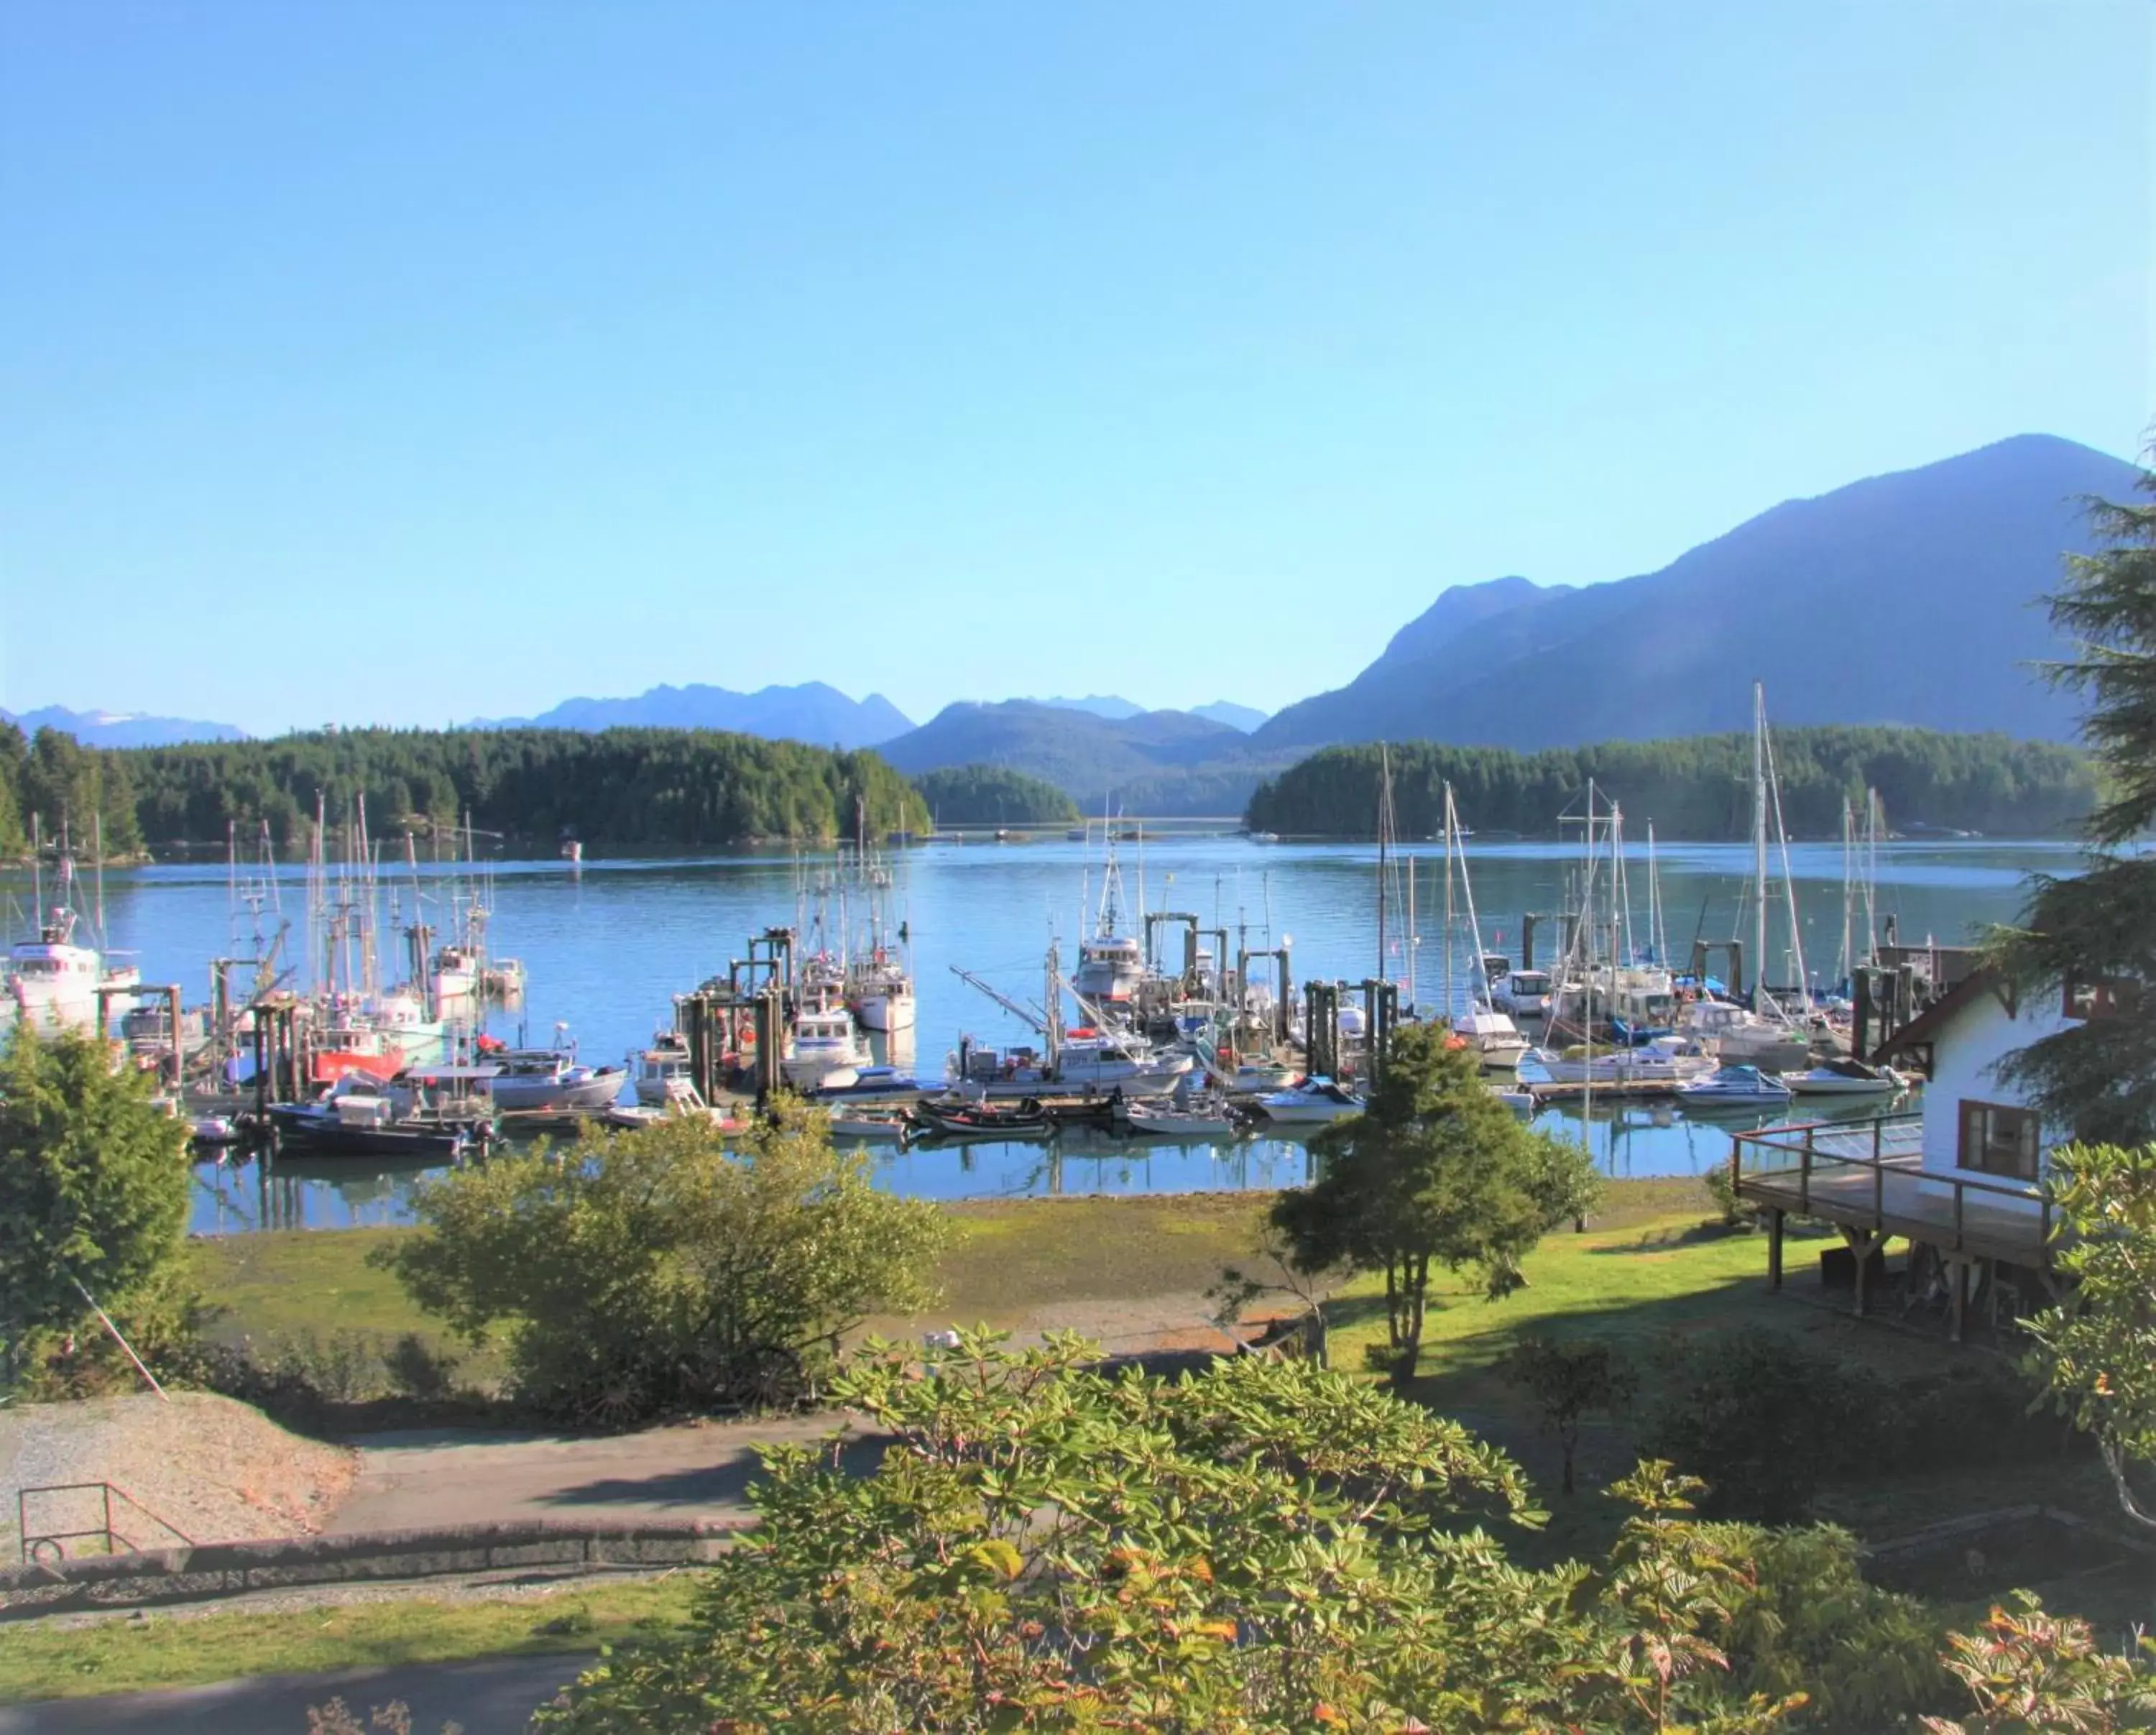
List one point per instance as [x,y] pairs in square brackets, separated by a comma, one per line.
[1868,1176]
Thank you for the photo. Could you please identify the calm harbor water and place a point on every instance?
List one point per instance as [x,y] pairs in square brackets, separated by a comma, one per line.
[605,948]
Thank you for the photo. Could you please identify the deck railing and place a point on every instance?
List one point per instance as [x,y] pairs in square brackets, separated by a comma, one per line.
[1873,1169]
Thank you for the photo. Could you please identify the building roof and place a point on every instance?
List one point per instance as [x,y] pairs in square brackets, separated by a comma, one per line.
[1926,1026]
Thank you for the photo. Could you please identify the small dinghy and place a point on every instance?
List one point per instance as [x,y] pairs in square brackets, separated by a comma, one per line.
[981,1120]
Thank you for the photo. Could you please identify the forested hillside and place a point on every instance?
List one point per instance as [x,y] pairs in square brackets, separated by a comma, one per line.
[1698,789]
[992,795]
[619,790]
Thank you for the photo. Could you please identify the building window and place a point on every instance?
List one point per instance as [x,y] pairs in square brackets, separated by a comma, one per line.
[1998,1140]
[2100,997]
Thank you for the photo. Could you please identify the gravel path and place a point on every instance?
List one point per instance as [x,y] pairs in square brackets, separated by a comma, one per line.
[211,1469]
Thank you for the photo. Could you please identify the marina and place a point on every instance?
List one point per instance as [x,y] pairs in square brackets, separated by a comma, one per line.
[605,949]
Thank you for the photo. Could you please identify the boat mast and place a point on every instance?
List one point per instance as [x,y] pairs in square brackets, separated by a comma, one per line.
[1759,845]
[1452,831]
[1385,826]
[1845,966]
[1415,938]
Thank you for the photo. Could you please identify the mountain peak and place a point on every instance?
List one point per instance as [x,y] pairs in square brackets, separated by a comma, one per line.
[1459,607]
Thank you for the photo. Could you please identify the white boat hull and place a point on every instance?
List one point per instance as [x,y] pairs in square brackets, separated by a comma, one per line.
[1806,1086]
[884,1011]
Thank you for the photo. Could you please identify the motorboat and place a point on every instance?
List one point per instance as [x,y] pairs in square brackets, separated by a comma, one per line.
[864,1123]
[1255,1078]
[551,1080]
[1202,1119]
[1522,993]
[1848,1078]
[868,1083]
[1086,1063]
[1736,1085]
[1667,1060]
[1111,966]
[663,1071]
[1310,1101]
[825,1042]
[1493,1036]
[1738,1033]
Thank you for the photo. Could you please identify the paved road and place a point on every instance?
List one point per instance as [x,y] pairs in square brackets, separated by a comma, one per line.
[462,1476]
[494,1696]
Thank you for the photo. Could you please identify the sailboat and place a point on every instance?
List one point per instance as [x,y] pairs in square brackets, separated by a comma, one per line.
[1491,1033]
[1766,1033]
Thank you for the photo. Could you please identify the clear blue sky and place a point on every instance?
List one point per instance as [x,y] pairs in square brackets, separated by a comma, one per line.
[412,361]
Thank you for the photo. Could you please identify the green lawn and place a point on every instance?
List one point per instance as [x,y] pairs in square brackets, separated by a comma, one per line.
[46,1661]
[1652,1263]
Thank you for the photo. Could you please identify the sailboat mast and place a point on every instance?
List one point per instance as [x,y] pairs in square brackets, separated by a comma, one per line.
[1414,937]
[1846,970]
[1759,845]
[1384,818]
[1452,831]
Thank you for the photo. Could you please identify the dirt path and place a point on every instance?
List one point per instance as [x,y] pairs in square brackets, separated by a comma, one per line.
[441,1477]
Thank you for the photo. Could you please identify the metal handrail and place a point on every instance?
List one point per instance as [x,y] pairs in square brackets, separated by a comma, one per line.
[34,1547]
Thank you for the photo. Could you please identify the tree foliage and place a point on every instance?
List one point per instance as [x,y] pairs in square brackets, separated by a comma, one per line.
[2097,1078]
[992,795]
[653,1269]
[93,1184]
[1264,1547]
[1570,1379]
[620,789]
[1697,787]
[2096,1351]
[1435,1173]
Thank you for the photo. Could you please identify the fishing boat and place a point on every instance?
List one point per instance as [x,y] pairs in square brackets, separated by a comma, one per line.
[551,1080]
[881,993]
[1735,1086]
[867,1084]
[662,1075]
[824,1042]
[1847,1078]
[1085,1063]
[1310,1101]
[53,982]
[438,1111]
[1109,963]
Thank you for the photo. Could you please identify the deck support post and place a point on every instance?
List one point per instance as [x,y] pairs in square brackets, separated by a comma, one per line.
[1774,1249]
[1956,1294]
[1861,1242]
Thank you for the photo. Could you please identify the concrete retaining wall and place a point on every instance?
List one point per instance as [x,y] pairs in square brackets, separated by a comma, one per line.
[223,1569]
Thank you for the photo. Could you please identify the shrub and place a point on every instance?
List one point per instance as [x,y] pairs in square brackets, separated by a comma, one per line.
[652,1271]
[1765,1420]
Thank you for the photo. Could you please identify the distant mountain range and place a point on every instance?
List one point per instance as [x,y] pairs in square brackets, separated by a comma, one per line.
[1905,598]
[1154,762]
[1909,598]
[1119,709]
[819,715]
[120,729]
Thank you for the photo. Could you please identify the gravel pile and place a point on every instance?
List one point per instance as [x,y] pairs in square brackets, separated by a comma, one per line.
[214,1470]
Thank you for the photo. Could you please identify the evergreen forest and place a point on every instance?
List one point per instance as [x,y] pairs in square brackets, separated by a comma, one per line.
[618,791]
[1698,789]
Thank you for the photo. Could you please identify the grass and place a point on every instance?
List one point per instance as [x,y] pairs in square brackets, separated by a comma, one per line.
[123,1655]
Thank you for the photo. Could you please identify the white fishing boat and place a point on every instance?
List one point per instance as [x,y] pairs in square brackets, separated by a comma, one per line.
[1493,1036]
[881,994]
[1848,1078]
[856,1121]
[53,982]
[1111,965]
[663,1073]
[1733,1086]
[1085,1064]
[824,1041]
[1311,1102]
